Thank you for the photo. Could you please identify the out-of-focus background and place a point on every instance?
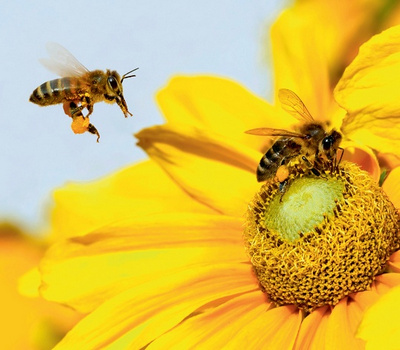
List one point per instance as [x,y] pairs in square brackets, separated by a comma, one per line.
[163,38]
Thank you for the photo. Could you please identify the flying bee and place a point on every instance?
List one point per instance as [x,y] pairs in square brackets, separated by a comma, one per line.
[79,88]
[312,145]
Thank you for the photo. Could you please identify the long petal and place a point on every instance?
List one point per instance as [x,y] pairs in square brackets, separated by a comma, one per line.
[135,191]
[221,106]
[294,45]
[313,329]
[113,259]
[341,329]
[137,316]
[216,172]
[217,327]
[283,327]
[370,94]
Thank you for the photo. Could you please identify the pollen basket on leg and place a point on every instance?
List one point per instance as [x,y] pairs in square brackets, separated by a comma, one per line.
[325,238]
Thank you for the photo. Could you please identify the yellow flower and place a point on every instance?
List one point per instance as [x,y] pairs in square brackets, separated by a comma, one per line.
[154,254]
[26,323]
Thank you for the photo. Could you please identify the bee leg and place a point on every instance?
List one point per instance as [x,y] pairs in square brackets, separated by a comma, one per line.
[282,188]
[337,162]
[93,130]
[315,171]
[80,123]
[87,103]
[72,110]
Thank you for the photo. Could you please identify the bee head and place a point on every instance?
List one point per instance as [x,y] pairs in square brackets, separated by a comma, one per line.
[330,144]
[114,84]
[114,90]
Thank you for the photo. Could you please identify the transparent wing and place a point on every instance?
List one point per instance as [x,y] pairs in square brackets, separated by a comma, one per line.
[62,62]
[273,132]
[292,104]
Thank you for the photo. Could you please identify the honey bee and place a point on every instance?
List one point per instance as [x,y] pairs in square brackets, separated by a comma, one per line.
[312,145]
[79,88]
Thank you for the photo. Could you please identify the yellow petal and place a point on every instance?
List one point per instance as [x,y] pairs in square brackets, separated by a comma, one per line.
[312,330]
[217,328]
[283,326]
[389,280]
[370,94]
[114,259]
[216,172]
[380,326]
[391,186]
[394,262]
[365,299]
[29,283]
[389,161]
[363,156]
[26,323]
[135,191]
[221,106]
[299,61]
[314,40]
[340,332]
[139,315]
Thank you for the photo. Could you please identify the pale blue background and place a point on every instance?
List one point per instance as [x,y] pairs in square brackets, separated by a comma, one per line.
[38,150]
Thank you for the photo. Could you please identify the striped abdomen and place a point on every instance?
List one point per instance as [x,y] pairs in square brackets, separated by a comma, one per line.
[56,91]
[276,156]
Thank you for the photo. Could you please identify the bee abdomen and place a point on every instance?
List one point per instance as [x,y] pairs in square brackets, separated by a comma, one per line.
[52,92]
[275,157]
[268,165]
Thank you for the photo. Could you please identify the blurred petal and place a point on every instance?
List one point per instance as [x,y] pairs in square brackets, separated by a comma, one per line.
[363,156]
[298,65]
[29,283]
[218,173]
[370,94]
[137,316]
[380,326]
[220,106]
[391,186]
[135,191]
[389,161]
[117,258]
[26,323]
[313,41]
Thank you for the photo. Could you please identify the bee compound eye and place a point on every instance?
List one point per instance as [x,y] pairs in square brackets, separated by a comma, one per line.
[113,83]
[327,143]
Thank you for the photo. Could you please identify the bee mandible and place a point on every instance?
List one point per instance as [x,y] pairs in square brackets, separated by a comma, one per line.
[315,147]
[79,88]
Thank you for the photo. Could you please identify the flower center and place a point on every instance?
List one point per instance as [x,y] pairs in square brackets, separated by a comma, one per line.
[324,238]
[303,206]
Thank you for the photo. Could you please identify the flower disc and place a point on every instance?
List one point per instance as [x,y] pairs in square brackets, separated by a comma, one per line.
[324,238]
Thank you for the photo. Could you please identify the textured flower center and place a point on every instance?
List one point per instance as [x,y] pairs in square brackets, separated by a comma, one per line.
[303,206]
[324,238]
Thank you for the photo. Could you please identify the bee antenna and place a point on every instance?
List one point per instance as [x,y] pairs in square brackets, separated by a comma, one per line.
[126,76]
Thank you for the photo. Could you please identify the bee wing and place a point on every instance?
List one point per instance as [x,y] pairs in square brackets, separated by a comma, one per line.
[62,62]
[292,104]
[273,132]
